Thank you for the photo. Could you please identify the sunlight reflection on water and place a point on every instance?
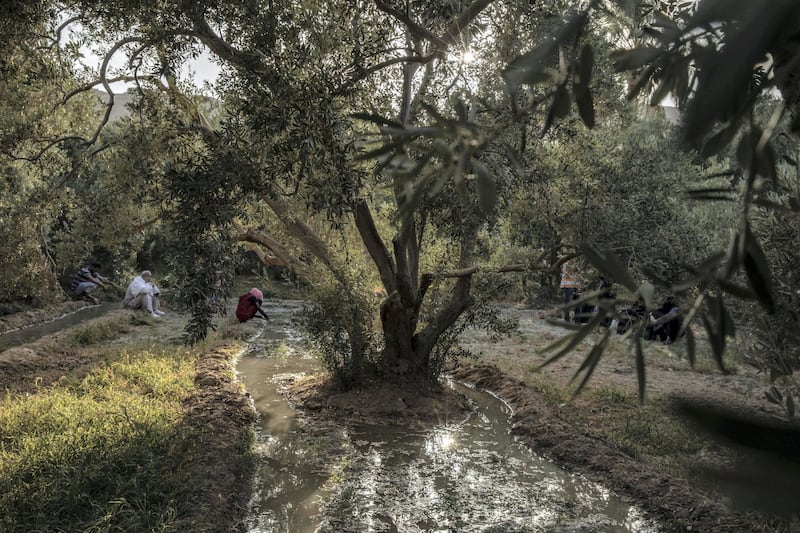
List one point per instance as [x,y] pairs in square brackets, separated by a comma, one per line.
[467,476]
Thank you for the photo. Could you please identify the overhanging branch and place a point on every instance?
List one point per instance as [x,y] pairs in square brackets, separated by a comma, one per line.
[413,27]
[375,245]
[453,32]
[280,254]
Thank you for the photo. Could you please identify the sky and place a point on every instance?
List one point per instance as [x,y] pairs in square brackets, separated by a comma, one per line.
[203,67]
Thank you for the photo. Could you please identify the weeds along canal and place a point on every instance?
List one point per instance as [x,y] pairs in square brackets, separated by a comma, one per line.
[465,474]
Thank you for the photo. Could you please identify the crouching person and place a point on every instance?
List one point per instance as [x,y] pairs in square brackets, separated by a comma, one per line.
[142,293]
[250,306]
[665,324]
[85,281]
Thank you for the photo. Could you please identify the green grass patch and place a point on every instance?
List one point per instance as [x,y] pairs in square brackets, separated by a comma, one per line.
[97,331]
[641,429]
[651,429]
[553,394]
[103,454]
[615,415]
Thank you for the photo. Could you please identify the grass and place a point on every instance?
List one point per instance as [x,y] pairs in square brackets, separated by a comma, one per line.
[126,440]
[643,429]
[615,415]
[97,331]
[102,454]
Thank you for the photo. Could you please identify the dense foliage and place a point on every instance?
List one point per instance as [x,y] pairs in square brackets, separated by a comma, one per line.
[415,148]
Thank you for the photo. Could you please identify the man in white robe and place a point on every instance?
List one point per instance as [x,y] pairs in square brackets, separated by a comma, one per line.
[142,293]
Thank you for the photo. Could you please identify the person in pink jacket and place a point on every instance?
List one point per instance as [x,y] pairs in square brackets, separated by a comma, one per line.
[250,305]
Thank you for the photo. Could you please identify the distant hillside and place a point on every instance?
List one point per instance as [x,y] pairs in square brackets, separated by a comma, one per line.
[209,106]
[121,102]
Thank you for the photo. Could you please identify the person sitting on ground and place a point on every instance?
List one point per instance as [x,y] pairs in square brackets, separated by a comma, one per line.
[630,317]
[85,281]
[665,324]
[142,293]
[250,305]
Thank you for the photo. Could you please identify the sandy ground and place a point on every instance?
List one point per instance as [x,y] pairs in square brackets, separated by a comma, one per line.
[506,368]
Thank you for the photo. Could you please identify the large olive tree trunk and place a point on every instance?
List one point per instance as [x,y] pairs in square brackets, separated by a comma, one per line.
[407,348]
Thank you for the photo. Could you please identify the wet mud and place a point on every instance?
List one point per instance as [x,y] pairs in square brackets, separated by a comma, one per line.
[674,503]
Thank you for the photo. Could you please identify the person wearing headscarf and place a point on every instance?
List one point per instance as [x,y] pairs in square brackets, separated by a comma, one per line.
[250,305]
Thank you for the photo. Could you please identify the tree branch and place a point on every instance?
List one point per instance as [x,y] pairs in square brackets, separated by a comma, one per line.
[219,46]
[460,297]
[87,86]
[107,87]
[146,223]
[412,26]
[303,232]
[453,32]
[375,245]
[281,255]
[363,73]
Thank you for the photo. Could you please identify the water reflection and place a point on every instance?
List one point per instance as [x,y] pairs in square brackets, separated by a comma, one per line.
[439,441]
[468,475]
[32,333]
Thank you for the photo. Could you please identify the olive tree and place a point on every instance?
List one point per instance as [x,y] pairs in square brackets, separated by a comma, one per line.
[41,154]
[296,84]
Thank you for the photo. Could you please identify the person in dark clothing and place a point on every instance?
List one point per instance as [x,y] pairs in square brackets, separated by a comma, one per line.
[666,323]
[630,317]
[85,281]
[605,288]
[582,312]
[250,305]
[606,294]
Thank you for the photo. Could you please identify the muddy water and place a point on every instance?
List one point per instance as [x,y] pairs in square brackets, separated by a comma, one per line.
[464,475]
[30,334]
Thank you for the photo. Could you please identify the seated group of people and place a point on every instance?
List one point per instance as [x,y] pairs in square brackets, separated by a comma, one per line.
[142,293]
[663,324]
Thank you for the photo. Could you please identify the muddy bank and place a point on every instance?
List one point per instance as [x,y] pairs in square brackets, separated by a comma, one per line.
[410,405]
[221,414]
[673,502]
